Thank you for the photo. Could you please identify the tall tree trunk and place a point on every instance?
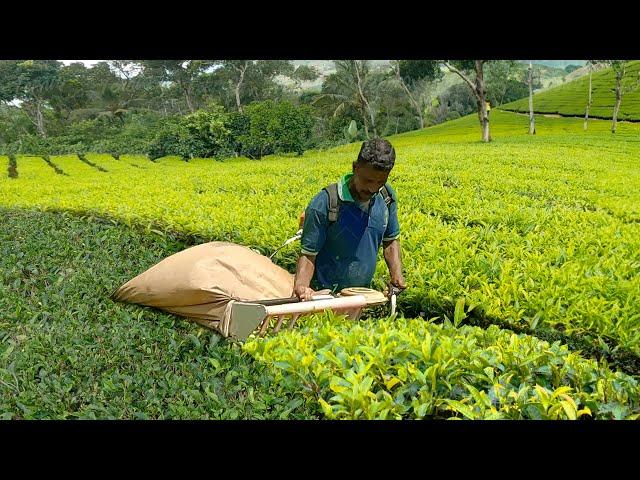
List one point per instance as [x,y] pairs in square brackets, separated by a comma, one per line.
[415,104]
[481,95]
[478,90]
[40,120]
[242,71]
[532,120]
[502,95]
[187,96]
[365,123]
[616,107]
[364,99]
[413,101]
[586,113]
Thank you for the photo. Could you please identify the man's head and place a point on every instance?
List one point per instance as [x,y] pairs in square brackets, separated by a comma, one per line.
[372,168]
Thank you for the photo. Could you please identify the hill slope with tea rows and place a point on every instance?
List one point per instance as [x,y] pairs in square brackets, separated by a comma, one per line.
[571,98]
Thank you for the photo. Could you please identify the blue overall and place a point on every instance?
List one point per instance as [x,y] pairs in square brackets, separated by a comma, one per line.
[346,250]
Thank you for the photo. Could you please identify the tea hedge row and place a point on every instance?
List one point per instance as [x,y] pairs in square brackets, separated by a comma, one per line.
[536,231]
[68,351]
[415,369]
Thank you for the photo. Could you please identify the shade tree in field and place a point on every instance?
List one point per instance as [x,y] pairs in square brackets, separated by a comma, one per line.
[465,69]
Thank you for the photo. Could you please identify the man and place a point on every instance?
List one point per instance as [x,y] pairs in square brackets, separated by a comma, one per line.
[339,249]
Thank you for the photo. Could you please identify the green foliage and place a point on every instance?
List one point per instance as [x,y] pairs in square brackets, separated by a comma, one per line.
[201,134]
[506,242]
[458,100]
[336,128]
[414,70]
[505,81]
[277,127]
[168,139]
[414,369]
[263,129]
[58,100]
[14,124]
[238,125]
[93,136]
[352,131]
[206,132]
[68,352]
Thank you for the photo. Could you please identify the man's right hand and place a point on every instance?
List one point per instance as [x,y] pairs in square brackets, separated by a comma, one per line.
[303,293]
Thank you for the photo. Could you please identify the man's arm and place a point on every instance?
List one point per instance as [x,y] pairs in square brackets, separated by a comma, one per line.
[314,232]
[304,272]
[391,244]
[393,258]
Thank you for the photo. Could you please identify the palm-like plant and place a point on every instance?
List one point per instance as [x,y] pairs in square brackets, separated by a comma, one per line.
[352,85]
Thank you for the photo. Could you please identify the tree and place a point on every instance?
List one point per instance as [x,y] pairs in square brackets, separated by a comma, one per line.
[304,73]
[456,101]
[240,67]
[182,73]
[253,80]
[501,80]
[414,76]
[586,113]
[113,105]
[9,72]
[532,120]
[462,68]
[36,83]
[112,95]
[394,111]
[14,124]
[619,68]
[352,85]
[73,91]
[277,127]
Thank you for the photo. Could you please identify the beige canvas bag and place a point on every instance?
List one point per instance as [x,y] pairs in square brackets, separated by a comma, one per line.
[202,282]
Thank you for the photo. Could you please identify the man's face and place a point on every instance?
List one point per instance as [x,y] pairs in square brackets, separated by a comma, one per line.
[367,180]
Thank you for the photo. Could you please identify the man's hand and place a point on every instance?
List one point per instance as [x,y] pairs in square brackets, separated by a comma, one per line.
[304,273]
[398,281]
[392,257]
[303,293]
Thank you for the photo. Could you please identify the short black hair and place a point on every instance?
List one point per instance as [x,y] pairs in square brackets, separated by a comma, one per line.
[378,153]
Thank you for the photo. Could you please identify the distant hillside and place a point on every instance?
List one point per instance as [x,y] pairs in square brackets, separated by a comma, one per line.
[327,67]
[571,98]
[557,63]
[551,72]
[553,75]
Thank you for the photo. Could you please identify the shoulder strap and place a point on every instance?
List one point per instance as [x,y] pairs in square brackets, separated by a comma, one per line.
[334,201]
[332,191]
[386,195]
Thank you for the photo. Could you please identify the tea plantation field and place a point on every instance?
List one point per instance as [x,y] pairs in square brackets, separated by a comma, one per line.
[522,259]
[571,98]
